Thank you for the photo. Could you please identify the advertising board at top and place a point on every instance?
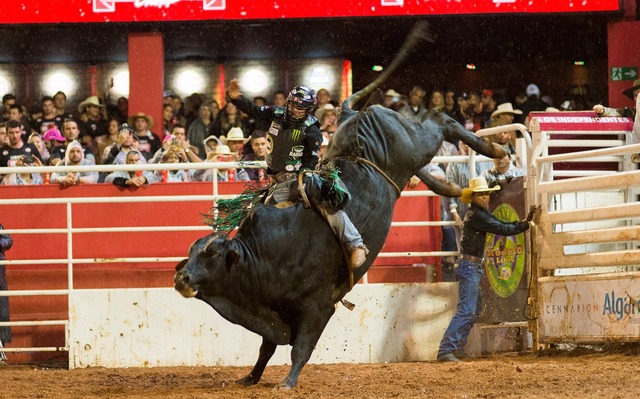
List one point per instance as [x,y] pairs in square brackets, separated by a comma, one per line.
[92,11]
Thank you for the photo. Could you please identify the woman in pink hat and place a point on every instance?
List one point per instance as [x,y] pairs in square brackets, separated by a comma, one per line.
[52,138]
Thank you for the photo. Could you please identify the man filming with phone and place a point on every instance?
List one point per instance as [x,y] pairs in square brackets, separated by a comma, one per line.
[27,178]
[117,153]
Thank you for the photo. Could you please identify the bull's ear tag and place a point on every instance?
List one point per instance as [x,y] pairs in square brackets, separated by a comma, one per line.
[274,129]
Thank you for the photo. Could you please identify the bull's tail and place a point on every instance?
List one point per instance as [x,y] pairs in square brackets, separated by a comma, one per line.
[419,32]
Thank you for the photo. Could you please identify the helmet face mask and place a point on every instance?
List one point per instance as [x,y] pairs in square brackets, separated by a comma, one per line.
[299,103]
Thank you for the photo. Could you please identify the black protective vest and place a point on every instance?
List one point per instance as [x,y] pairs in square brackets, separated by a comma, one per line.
[285,145]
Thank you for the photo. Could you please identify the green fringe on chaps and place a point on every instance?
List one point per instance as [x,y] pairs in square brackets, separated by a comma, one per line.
[324,187]
[227,214]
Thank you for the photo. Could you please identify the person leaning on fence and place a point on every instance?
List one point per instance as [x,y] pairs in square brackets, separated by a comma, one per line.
[22,179]
[5,332]
[478,221]
[74,156]
[503,171]
[171,155]
[222,153]
[123,178]
[632,93]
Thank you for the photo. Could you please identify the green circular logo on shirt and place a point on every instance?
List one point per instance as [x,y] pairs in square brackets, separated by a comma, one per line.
[505,256]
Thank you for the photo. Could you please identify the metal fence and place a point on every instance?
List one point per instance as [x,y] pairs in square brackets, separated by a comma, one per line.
[524,147]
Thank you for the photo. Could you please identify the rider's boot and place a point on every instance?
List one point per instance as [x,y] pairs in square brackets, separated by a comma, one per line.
[357,257]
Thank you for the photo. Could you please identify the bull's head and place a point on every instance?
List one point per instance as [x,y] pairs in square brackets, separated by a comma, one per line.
[209,258]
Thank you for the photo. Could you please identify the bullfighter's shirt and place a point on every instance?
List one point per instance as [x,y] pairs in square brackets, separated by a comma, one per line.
[290,148]
[477,223]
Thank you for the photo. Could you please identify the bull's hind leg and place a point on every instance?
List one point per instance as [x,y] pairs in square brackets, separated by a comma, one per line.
[454,130]
[266,351]
[310,328]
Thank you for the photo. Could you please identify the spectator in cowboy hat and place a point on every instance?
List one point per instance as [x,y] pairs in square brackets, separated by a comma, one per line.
[328,118]
[504,115]
[222,153]
[235,140]
[478,221]
[390,97]
[148,142]
[91,123]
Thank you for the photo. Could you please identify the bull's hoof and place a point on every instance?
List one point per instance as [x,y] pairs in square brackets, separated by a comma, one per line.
[247,381]
[283,387]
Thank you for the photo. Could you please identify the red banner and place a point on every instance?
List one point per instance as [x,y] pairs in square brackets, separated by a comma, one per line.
[579,121]
[47,11]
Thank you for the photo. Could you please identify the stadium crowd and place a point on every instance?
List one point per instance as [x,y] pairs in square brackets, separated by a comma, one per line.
[198,129]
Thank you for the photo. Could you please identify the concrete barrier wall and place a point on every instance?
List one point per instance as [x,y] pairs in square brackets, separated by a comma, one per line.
[158,327]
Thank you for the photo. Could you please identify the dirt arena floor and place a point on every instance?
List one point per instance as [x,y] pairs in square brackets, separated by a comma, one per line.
[550,374]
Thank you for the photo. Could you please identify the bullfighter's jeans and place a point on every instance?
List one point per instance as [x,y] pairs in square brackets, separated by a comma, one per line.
[339,221]
[468,275]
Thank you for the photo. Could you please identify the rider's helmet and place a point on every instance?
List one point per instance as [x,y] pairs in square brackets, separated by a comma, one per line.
[299,103]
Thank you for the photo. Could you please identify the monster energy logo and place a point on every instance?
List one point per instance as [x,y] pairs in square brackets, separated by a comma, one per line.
[296,134]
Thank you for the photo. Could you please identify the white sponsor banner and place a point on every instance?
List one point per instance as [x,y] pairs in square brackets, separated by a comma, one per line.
[591,308]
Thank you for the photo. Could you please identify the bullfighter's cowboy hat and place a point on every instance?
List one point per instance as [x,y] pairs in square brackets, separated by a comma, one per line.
[476,185]
[235,134]
[93,100]
[505,108]
[629,91]
[142,115]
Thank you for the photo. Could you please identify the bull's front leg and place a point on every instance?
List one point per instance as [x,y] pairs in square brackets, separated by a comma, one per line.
[310,328]
[267,350]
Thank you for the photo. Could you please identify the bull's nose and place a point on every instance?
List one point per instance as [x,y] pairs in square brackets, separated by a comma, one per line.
[181,284]
[182,278]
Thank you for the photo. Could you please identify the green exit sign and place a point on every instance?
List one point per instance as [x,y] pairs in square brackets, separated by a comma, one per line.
[624,73]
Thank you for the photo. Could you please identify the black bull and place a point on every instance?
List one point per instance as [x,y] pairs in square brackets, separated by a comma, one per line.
[283,272]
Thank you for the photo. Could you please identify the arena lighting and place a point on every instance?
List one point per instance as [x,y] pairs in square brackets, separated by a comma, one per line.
[5,86]
[255,81]
[377,68]
[59,81]
[319,77]
[121,83]
[471,66]
[189,81]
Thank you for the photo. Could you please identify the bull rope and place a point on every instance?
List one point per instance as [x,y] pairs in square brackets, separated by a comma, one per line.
[357,159]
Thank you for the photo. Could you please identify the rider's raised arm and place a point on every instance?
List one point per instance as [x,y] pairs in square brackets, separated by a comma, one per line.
[245,105]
